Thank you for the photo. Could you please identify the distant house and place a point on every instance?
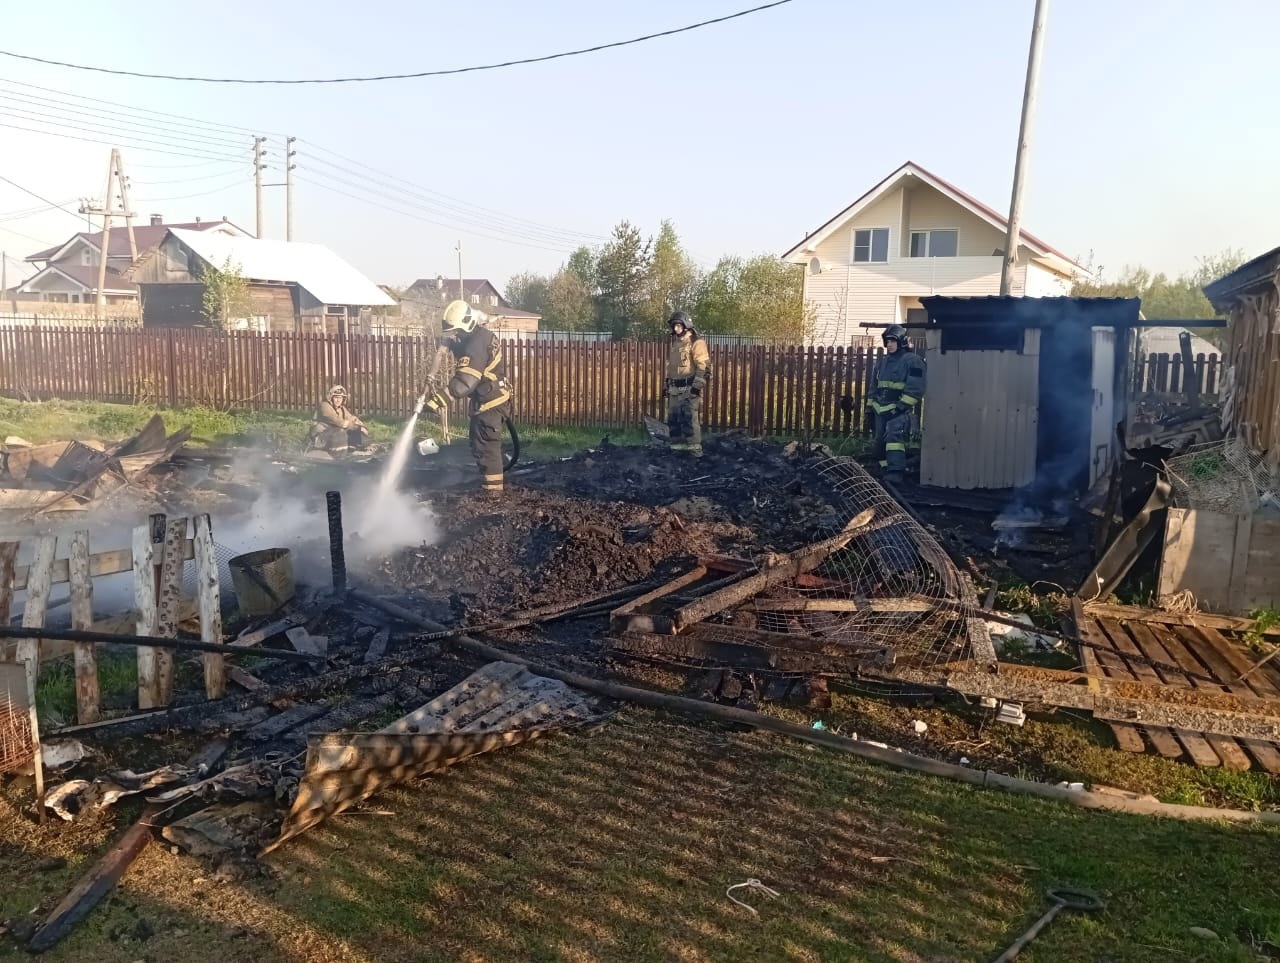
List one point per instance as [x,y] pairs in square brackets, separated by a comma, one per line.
[910,236]
[429,296]
[1167,341]
[68,272]
[292,286]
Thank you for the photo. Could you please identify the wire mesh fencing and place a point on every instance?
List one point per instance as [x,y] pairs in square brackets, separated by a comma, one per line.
[1224,476]
[879,587]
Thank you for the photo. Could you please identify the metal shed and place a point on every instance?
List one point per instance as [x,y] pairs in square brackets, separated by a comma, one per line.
[1023,390]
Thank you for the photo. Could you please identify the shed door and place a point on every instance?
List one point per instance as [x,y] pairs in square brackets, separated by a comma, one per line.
[1102,432]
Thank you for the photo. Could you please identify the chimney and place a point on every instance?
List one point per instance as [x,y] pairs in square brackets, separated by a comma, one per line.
[439,283]
[157,220]
[197,220]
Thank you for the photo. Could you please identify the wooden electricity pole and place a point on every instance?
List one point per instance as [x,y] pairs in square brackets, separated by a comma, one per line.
[289,164]
[116,184]
[1024,146]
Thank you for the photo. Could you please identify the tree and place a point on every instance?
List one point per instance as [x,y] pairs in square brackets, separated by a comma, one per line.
[622,271]
[570,302]
[226,294]
[1165,298]
[528,291]
[672,283]
[761,297]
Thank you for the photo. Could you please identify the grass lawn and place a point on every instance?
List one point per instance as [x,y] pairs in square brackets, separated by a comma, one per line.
[618,846]
[44,421]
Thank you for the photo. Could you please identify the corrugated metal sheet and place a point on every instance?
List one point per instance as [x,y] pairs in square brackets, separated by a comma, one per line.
[981,416]
[311,266]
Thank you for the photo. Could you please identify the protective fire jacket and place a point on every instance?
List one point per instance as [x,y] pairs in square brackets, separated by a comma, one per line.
[481,372]
[339,416]
[688,363]
[898,381]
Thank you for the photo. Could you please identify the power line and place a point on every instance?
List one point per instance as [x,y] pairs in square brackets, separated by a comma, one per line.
[67,116]
[116,142]
[407,76]
[141,110]
[184,197]
[427,220]
[27,190]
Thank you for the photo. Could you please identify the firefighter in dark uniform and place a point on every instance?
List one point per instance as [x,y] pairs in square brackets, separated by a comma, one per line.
[481,376]
[897,388]
[688,370]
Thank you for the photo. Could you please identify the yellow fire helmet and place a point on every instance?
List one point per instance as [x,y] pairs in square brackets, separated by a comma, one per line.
[460,316]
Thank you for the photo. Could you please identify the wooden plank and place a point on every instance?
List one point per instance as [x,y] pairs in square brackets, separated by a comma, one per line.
[1128,738]
[245,679]
[88,707]
[1181,643]
[1227,663]
[209,593]
[29,649]
[100,563]
[1199,748]
[147,540]
[8,556]
[626,618]
[1161,738]
[1238,590]
[169,602]
[1135,613]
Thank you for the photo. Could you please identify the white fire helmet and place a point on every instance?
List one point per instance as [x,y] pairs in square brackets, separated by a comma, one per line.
[460,316]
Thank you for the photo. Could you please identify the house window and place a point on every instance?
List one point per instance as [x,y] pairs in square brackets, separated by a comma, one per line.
[475,299]
[493,300]
[944,243]
[871,245]
[86,257]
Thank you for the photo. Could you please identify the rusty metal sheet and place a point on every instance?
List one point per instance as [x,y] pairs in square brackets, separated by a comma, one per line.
[502,704]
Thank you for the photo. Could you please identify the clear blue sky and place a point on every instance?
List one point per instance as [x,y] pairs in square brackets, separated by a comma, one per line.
[1154,142]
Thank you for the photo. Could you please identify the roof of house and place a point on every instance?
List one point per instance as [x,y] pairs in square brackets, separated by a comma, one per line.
[86,277]
[507,311]
[448,287]
[1259,272]
[145,236]
[313,267]
[911,169]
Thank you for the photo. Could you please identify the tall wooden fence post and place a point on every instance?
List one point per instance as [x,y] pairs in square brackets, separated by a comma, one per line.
[87,691]
[210,594]
[39,582]
[169,602]
[148,540]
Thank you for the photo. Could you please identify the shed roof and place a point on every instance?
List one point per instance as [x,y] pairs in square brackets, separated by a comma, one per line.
[314,267]
[1025,312]
[1257,273]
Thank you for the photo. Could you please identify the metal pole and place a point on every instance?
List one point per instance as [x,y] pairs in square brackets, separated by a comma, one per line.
[289,165]
[1024,146]
[257,180]
[337,557]
[462,290]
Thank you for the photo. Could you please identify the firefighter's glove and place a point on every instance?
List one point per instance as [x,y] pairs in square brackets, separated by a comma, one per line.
[695,391]
[901,409]
[436,403]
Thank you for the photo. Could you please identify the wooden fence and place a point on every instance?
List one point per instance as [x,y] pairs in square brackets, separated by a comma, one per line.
[764,389]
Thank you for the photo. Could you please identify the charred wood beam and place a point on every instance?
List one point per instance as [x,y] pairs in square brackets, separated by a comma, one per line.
[193,715]
[842,605]
[684,648]
[784,569]
[147,641]
[107,871]
[1113,700]
[1193,619]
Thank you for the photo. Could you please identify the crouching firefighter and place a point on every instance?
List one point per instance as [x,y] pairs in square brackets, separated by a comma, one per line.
[688,369]
[481,376]
[897,390]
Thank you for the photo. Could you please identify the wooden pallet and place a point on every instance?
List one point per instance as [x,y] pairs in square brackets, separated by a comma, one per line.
[1190,655]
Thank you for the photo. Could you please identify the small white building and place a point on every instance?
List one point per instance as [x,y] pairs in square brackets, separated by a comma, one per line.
[911,236]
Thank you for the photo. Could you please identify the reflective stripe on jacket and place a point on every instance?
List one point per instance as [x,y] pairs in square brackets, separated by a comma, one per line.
[899,379]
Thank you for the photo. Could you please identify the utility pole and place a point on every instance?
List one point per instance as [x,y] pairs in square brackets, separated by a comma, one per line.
[123,183]
[1024,145]
[259,165]
[289,164]
[462,288]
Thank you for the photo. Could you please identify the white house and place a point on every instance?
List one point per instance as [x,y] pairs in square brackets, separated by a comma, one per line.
[914,235]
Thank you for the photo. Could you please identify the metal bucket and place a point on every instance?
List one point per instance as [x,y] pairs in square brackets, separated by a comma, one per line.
[263,580]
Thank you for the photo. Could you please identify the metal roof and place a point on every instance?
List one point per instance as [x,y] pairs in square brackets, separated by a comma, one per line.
[1026,312]
[313,267]
[1259,272]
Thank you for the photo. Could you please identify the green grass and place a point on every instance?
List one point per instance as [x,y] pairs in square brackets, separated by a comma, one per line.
[56,685]
[46,421]
[618,846]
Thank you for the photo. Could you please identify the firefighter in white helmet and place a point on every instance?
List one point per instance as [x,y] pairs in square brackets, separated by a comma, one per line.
[336,428]
[481,376]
